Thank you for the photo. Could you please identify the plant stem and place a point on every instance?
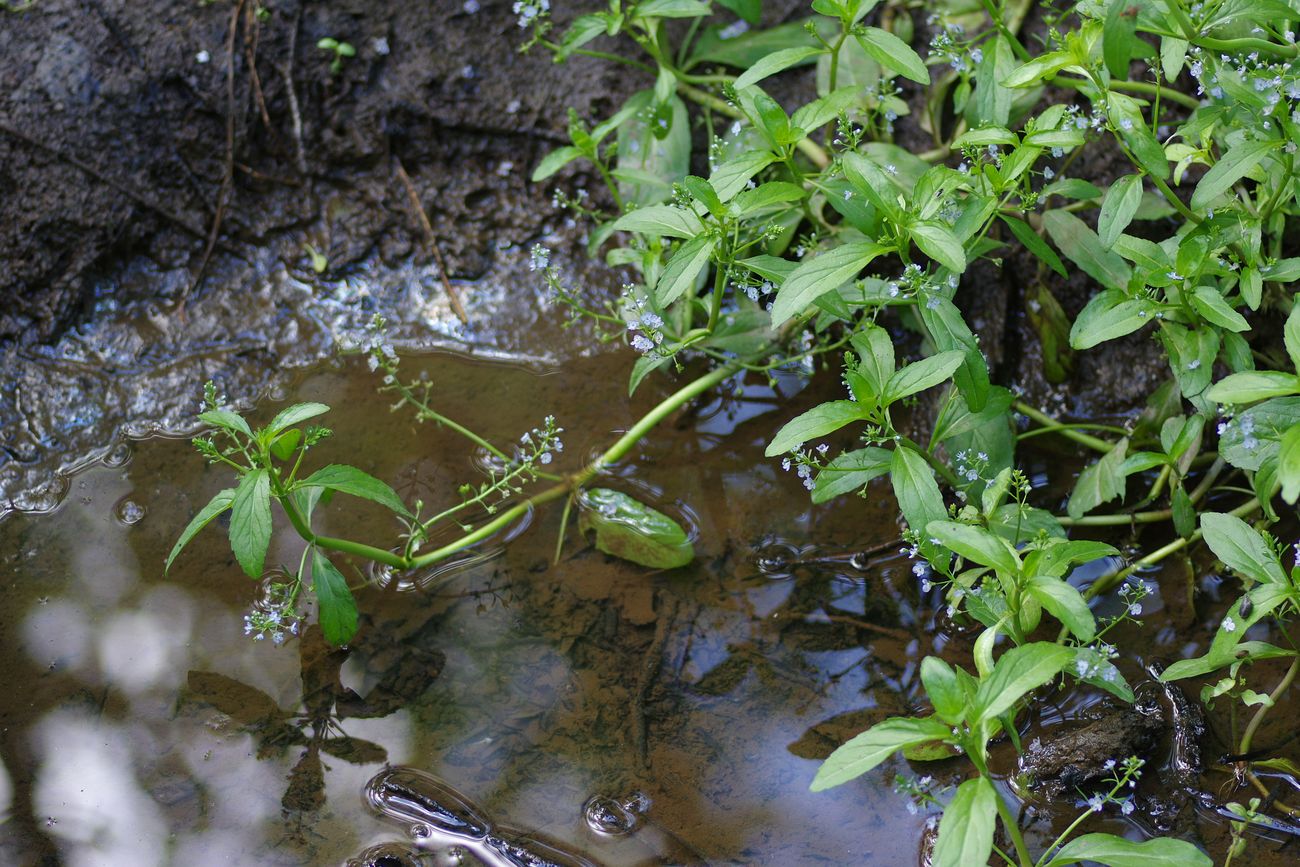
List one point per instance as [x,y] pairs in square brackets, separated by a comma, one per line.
[1109,580]
[612,455]
[810,149]
[1253,726]
[1064,430]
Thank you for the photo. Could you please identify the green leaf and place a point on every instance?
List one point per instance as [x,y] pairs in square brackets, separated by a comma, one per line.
[1253,385]
[750,10]
[816,422]
[661,220]
[1066,605]
[944,690]
[1041,68]
[916,490]
[683,269]
[350,480]
[1118,208]
[296,414]
[869,749]
[875,350]
[215,507]
[893,54]
[1212,305]
[923,374]
[1110,314]
[643,367]
[1224,647]
[656,144]
[671,9]
[764,196]
[1291,334]
[630,530]
[1117,38]
[939,243]
[1241,548]
[732,176]
[1082,246]
[1288,468]
[583,29]
[1118,852]
[1034,243]
[777,61]
[554,161]
[1100,482]
[977,545]
[819,112]
[1020,671]
[1234,165]
[992,102]
[250,521]
[226,419]
[283,445]
[338,610]
[966,829]
[850,471]
[821,274]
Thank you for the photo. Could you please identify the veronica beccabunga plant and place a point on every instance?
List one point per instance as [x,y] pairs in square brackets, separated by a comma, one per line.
[809,237]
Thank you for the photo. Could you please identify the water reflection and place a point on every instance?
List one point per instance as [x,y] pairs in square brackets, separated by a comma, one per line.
[569,700]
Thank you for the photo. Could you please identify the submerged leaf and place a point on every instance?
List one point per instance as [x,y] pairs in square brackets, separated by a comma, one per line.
[630,530]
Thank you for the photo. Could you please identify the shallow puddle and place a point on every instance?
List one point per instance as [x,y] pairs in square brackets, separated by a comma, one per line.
[527,709]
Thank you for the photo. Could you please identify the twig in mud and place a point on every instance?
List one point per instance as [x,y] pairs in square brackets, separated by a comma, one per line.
[897,634]
[414,198]
[650,666]
[286,72]
[228,175]
[250,53]
[103,179]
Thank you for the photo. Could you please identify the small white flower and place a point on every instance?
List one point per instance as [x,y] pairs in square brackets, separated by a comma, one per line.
[1096,802]
[202,57]
[1229,625]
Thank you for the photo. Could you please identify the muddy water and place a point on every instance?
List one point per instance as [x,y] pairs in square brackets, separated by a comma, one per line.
[141,725]
[585,710]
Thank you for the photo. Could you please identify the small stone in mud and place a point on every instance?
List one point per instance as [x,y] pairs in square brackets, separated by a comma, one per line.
[1059,763]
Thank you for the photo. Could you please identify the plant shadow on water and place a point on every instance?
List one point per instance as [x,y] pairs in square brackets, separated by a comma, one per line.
[141,725]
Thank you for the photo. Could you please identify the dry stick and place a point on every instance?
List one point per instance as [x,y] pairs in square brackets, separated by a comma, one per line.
[286,72]
[228,175]
[103,179]
[414,198]
[250,52]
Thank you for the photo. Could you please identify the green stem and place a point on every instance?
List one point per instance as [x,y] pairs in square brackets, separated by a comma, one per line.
[715,301]
[809,148]
[1144,87]
[1118,520]
[612,455]
[939,467]
[1016,47]
[1253,726]
[1064,430]
[1110,579]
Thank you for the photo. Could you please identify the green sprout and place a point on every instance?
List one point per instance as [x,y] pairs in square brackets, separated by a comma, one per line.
[340,49]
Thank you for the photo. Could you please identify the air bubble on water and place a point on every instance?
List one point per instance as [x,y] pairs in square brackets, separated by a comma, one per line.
[775,559]
[420,831]
[118,456]
[128,511]
[613,816]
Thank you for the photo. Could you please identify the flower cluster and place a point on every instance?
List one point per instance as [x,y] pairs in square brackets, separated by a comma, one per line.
[276,615]
[1095,661]
[1122,775]
[806,463]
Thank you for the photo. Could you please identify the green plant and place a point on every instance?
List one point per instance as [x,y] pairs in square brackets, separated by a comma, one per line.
[815,240]
[341,50]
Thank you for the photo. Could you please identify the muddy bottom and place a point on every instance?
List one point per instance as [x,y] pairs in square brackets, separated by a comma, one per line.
[585,709]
